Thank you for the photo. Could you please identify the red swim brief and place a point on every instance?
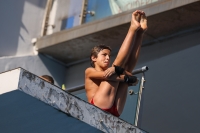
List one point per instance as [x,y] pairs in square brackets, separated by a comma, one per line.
[112,110]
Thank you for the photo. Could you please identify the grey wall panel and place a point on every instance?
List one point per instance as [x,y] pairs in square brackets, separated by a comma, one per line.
[172,93]
[21,113]
[20,22]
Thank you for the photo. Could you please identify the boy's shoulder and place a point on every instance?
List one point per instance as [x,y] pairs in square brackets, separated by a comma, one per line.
[90,69]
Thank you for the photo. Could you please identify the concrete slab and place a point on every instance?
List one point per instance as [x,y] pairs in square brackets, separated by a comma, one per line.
[9,80]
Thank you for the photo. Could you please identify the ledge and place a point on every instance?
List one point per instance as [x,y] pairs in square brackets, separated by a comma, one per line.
[67,103]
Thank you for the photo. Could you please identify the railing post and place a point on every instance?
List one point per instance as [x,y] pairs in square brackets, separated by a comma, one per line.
[139,98]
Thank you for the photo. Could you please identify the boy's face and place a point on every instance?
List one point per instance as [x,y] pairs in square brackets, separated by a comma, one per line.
[103,59]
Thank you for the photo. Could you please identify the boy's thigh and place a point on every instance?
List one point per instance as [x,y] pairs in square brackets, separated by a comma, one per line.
[105,95]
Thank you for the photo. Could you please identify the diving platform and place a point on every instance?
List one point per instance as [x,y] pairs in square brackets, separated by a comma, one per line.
[30,104]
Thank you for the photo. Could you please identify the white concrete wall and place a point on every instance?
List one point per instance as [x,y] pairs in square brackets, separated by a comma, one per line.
[61,11]
[9,81]
[172,87]
[21,21]
[39,65]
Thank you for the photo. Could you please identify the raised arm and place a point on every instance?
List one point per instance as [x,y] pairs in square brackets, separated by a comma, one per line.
[93,74]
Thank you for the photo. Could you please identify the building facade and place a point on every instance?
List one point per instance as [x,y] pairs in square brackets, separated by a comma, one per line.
[54,37]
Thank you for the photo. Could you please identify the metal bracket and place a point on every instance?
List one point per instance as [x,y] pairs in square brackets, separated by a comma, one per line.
[92,13]
[82,15]
[131,92]
[84,12]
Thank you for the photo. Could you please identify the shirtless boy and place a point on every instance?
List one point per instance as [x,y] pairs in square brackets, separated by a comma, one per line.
[106,87]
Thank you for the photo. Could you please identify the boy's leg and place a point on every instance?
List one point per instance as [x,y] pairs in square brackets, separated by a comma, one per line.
[133,57]
[130,64]
[106,93]
[125,48]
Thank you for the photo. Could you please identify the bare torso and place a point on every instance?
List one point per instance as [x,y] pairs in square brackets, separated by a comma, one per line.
[98,89]
[91,86]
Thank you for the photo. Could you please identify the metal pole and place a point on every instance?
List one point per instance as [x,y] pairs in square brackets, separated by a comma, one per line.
[83,10]
[139,99]
[46,17]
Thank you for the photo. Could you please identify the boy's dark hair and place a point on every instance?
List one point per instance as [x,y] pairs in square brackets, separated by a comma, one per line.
[96,50]
[48,78]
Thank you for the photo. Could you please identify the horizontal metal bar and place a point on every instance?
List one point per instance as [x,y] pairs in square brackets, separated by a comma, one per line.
[76,88]
[140,70]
